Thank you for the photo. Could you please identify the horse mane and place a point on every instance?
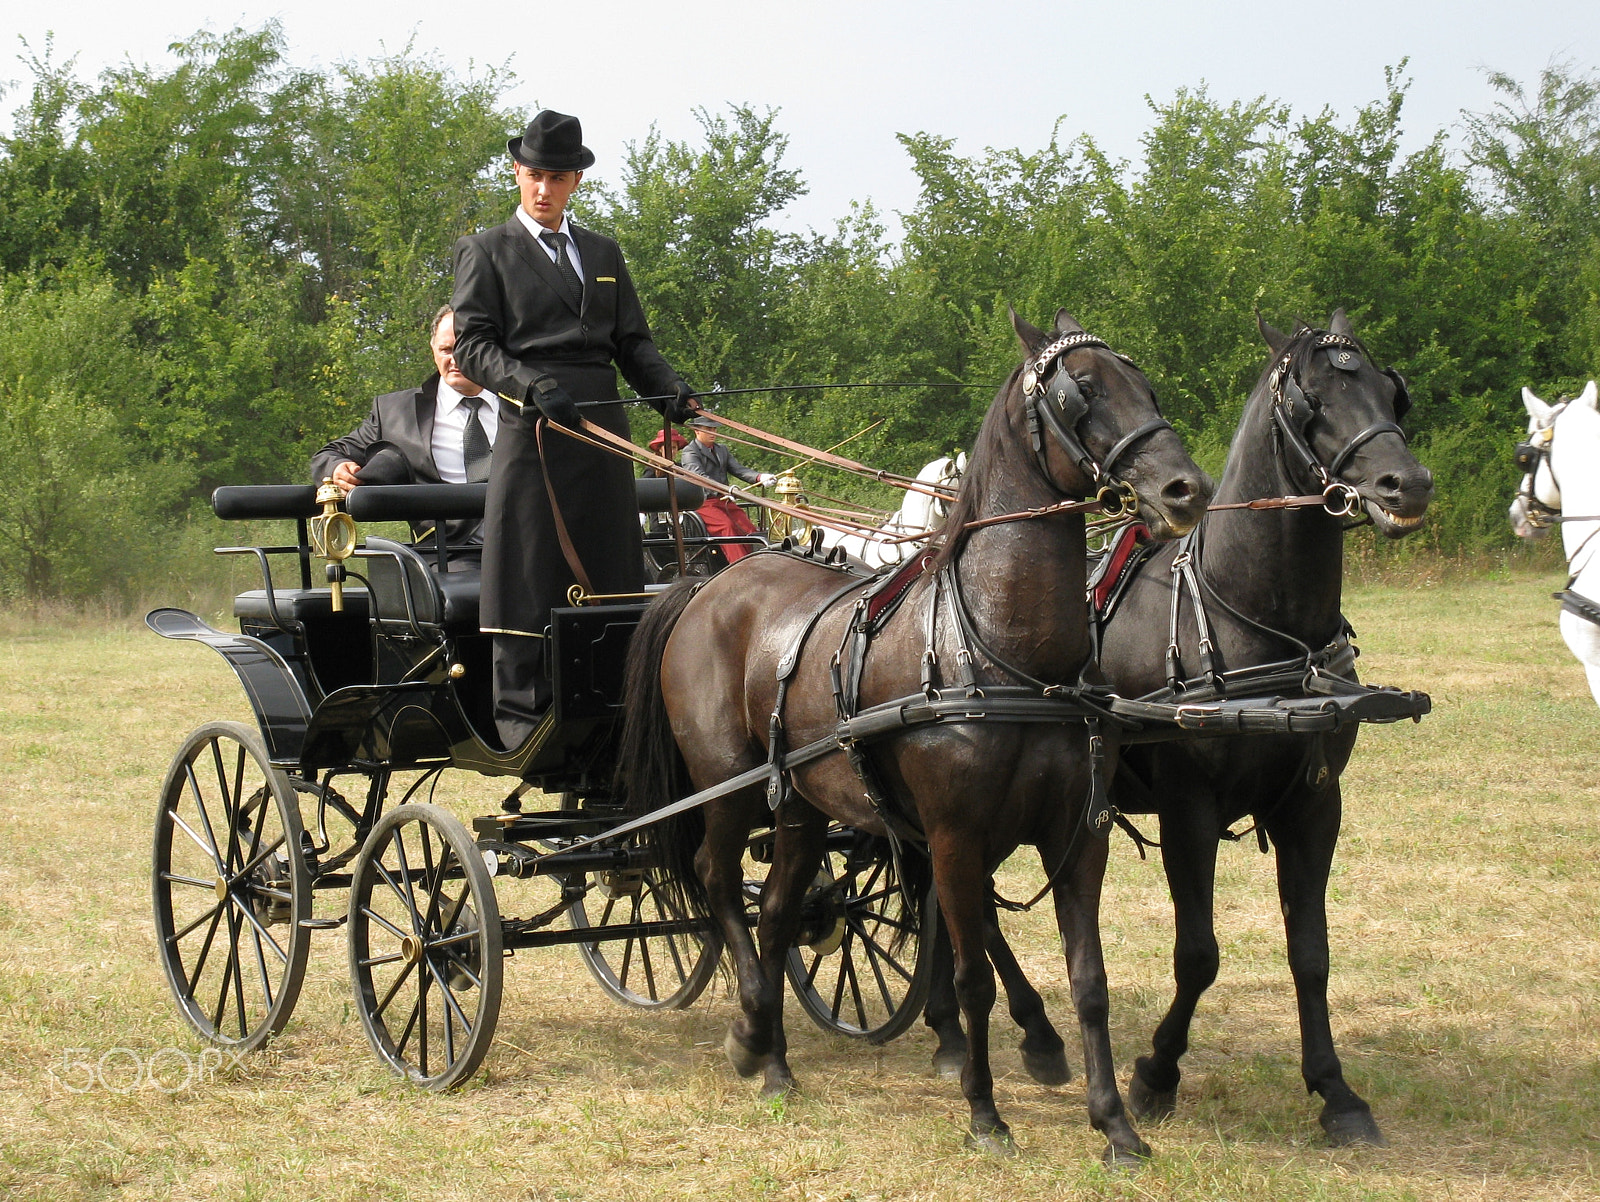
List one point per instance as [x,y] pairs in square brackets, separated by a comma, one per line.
[975,482]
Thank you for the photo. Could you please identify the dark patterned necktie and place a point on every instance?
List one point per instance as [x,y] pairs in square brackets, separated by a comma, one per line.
[475,449]
[569,273]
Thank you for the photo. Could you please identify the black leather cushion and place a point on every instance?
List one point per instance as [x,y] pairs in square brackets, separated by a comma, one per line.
[300,604]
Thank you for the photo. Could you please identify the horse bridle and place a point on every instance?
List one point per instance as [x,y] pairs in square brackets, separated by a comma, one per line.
[1293,410]
[1529,456]
[1055,402]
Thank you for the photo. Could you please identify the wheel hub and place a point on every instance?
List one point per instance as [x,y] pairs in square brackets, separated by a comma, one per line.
[221,886]
[826,932]
[411,948]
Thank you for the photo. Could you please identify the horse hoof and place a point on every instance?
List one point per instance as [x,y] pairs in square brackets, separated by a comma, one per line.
[997,1143]
[1047,1068]
[1124,1160]
[745,1062]
[1348,1127]
[948,1063]
[775,1088]
[1150,1104]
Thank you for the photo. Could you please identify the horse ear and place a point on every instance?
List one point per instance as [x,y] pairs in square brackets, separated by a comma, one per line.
[1066,323]
[1588,396]
[1340,324]
[1274,339]
[1537,409]
[1031,337]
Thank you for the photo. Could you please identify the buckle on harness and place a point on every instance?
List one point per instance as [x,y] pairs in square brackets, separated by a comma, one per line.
[1193,717]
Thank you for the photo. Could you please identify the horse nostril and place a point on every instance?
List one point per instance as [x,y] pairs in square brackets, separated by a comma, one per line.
[1178,491]
[1390,483]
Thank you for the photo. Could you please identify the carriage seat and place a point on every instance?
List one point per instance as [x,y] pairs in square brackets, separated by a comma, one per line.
[300,605]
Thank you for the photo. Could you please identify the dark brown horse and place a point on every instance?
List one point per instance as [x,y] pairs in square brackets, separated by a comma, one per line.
[703,680]
[1270,581]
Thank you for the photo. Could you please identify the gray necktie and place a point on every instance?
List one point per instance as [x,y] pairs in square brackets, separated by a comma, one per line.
[475,449]
[569,273]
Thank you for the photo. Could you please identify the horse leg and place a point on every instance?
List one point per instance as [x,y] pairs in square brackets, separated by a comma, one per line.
[720,862]
[943,1013]
[963,889]
[1189,857]
[1305,839]
[1044,1052]
[796,853]
[1077,901]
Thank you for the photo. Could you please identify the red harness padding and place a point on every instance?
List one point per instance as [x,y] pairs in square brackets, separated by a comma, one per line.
[1129,540]
[895,587]
[724,519]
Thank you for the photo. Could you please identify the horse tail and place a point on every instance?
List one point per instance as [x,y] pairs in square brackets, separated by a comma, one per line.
[651,772]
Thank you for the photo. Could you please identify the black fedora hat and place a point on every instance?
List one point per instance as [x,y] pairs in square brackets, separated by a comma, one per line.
[552,142]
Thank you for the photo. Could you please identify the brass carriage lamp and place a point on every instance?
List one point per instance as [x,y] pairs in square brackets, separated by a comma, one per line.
[333,537]
[790,492]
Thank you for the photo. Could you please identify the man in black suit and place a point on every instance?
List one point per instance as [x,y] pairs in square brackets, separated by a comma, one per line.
[440,433]
[545,316]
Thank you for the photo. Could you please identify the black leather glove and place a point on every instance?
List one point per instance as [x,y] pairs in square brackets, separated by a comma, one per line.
[678,409]
[554,402]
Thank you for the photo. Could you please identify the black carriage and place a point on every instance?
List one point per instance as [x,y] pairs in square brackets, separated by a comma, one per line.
[377,687]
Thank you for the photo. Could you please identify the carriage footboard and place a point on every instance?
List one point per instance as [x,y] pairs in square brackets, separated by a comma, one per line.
[269,682]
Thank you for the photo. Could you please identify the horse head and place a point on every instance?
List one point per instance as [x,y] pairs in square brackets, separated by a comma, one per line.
[1337,423]
[1095,427]
[1543,460]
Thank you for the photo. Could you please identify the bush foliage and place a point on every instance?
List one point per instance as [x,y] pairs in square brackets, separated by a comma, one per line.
[209,270]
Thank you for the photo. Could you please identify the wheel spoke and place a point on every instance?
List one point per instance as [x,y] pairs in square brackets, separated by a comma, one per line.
[210,851]
[422,1024]
[205,817]
[877,973]
[261,931]
[211,913]
[452,1007]
[261,962]
[373,961]
[873,947]
[410,897]
[173,878]
[384,922]
[193,983]
[394,988]
[411,1022]
[849,966]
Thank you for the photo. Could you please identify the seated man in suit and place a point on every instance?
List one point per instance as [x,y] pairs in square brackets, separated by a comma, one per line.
[440,433]
[722,516]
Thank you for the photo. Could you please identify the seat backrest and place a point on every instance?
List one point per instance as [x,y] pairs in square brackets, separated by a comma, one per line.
[404,593]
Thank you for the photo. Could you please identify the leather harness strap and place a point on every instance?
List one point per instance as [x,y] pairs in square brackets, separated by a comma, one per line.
[568,551]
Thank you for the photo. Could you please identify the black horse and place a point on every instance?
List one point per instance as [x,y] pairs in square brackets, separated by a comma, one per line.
[1002,610]
[1322,417]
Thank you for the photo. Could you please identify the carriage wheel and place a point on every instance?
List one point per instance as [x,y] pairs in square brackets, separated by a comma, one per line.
[425,946]
[651,970]
[230,887]
[865,968]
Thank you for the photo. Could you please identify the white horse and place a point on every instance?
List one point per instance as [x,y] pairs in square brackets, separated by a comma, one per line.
[1562,459]
[919,514]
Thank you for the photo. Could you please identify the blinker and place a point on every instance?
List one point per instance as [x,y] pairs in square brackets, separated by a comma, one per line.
[1344,360]
[1526,457]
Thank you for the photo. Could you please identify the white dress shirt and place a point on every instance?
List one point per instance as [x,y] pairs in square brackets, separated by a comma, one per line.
[450,426]
[534,228]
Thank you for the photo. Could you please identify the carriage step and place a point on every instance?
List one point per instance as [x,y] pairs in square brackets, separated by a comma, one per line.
[323,924]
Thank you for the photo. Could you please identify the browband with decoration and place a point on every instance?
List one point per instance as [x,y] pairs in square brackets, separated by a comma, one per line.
[1041,362]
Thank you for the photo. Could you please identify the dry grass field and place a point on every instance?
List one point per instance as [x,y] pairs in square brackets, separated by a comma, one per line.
[1466,985]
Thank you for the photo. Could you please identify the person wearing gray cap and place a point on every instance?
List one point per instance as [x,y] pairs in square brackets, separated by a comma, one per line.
[545,316]
[707,457]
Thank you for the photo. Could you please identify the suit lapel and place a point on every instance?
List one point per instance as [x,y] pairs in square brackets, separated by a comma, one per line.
[589,248]
[427,410]
[523,243]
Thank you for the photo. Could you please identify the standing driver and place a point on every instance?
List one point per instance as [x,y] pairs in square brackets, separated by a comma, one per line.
[545,316]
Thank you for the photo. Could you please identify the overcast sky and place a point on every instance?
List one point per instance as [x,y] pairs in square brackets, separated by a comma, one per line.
[849,76]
